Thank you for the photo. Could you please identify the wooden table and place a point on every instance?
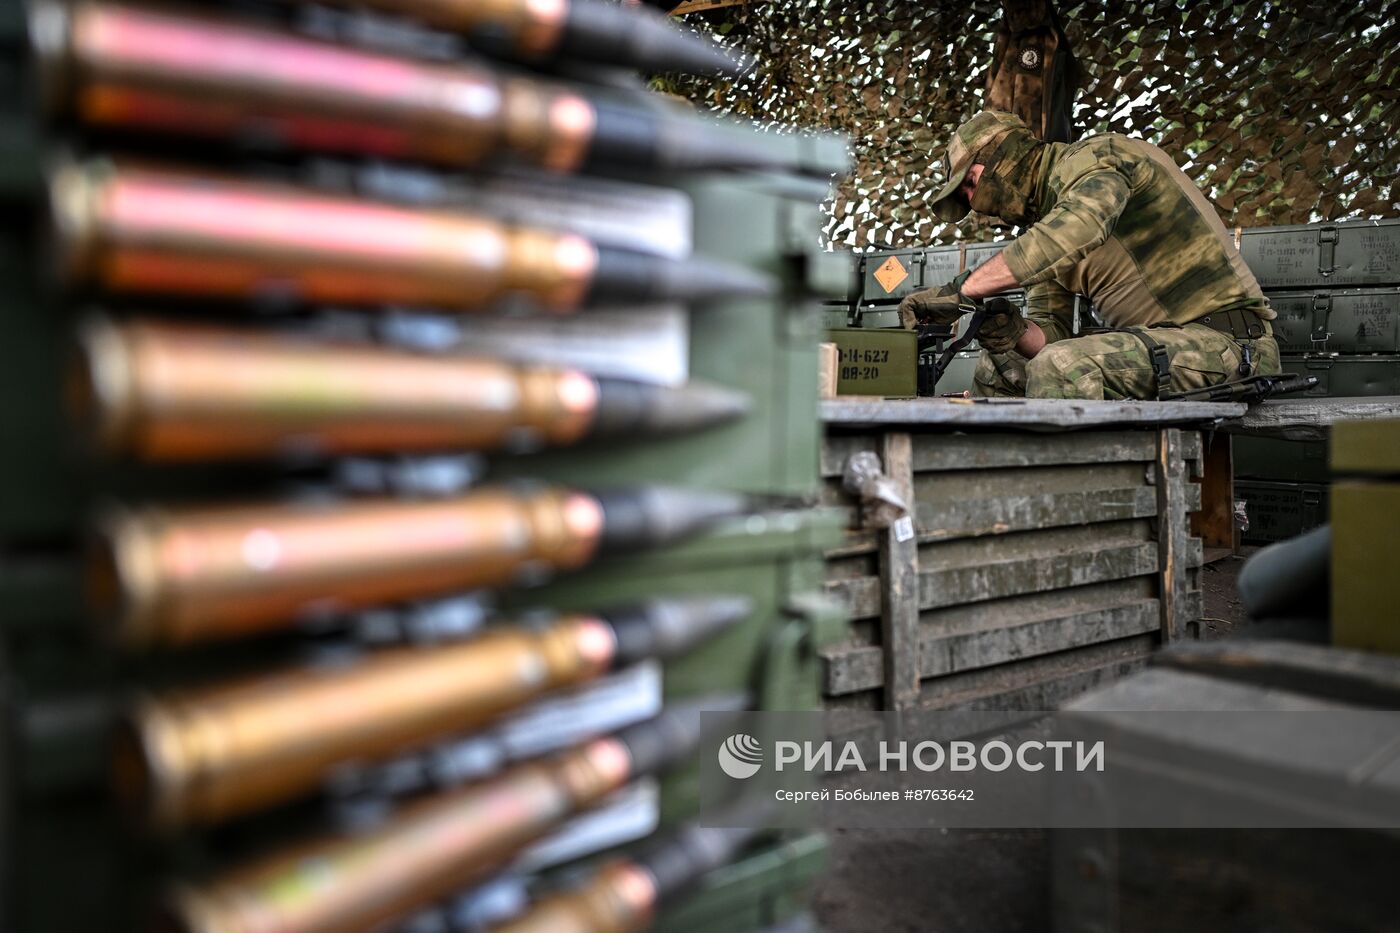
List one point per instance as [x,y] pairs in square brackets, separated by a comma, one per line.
[1050,547]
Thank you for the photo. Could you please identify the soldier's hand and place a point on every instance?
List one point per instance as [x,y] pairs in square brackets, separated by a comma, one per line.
[936,306]
[1002,328]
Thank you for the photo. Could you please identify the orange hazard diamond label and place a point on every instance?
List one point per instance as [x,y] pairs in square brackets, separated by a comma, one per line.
[890,274]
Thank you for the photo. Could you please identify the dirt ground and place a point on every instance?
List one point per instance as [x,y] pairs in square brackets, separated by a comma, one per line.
[968,881]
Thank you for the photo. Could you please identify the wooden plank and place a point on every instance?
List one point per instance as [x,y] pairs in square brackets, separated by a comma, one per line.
[970,552]
[1310,419]
[1024,512]
[1214,521]
[1039,683]
[937,452]
[1171,534]
[1028,414]
[994,451]
[899,583]
[1112,560]
[853,668]
[952,586]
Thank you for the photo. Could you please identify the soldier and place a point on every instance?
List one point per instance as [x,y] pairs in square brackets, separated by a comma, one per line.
[1113,219]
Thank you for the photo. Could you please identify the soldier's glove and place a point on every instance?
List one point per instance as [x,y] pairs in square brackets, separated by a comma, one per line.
[1002,328]
[936,306]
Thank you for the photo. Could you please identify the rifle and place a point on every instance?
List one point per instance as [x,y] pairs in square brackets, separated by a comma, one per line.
[1250,391]
[979,316]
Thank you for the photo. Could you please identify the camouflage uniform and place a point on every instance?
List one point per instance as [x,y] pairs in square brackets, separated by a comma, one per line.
[1111,218]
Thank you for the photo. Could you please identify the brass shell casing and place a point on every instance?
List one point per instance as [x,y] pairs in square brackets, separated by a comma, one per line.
[176,393]
[430,850]
[619,898]
[209,754]
[150,231]
[176,577]
[121,66]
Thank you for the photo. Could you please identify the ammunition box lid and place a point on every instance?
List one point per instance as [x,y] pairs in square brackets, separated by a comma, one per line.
[1363,252]
[1341,376]
[1362,320]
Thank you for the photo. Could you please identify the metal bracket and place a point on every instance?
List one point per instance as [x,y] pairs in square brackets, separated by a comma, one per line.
[1321,316]
[1327,250]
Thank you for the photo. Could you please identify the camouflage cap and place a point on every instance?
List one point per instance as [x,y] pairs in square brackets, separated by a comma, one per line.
[984,129]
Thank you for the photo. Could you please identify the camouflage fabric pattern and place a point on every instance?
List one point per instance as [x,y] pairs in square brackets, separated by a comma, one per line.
[942,305]
[1120,224]
[1116,365]
[969,142]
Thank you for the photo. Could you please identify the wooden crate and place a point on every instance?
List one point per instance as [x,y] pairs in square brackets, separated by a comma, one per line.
[1041,564]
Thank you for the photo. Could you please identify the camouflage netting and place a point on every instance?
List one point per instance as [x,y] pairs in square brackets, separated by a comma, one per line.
[1285,112]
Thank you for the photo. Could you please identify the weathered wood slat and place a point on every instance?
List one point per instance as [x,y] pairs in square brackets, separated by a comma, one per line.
[951,586]
[1041,683]
[993,451]
[1172,534]
[996,516]
[851,669]
[1038,683]
[899,584]
[1310,419]
[1000,546]
[1021,414]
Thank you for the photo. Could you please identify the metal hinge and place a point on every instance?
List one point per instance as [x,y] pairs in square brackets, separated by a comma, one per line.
[1327,250]
[1321,316]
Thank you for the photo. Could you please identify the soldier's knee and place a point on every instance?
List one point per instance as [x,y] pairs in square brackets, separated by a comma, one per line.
[1061,371]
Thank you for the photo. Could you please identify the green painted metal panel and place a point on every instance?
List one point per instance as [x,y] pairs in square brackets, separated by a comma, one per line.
[1328,255]
[1281,510]
[1348,321]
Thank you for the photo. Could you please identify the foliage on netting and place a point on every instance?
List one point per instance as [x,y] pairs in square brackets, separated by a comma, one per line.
[1284,112]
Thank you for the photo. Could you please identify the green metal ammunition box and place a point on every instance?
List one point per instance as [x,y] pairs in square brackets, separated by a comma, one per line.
[1272,458]
[975,254]
[1365,589]
[889,275]
[1353,321]
[1341,376]
[878,317]
[1370,447]
[1281,510]
[1365,252]
[876,361]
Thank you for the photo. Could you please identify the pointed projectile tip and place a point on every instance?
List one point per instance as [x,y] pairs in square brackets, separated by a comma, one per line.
[627,407]
[647,516]
[628,275]
[667,628]
[658,42]
[692,143]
